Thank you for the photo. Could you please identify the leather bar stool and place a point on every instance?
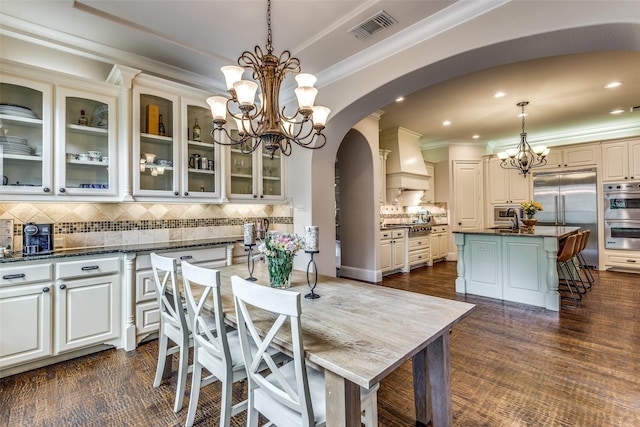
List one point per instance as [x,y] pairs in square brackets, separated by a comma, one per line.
[581,260]
[567,283]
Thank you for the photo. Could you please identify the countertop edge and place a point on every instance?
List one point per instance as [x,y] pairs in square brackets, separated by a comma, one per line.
[139,247]
[540,231]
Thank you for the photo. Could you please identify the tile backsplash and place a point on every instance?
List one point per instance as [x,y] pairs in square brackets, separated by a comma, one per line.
[79,225]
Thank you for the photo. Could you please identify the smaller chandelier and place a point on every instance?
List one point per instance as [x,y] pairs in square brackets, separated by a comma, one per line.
[264,122]
[524,158]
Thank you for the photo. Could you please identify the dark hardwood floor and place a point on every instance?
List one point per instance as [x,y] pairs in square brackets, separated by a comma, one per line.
[511,365]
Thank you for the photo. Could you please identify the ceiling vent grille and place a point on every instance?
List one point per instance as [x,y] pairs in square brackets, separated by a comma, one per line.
[378,22]
[634,109]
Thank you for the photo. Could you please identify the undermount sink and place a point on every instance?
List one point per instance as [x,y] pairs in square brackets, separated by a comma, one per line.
[501,227]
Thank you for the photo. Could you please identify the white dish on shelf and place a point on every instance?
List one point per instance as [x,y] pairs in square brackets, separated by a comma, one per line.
[12,140]
[100,117]
[17,110]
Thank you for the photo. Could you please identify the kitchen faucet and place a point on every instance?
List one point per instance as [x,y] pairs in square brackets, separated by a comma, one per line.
[514,218]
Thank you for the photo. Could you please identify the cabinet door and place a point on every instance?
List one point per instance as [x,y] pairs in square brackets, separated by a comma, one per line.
[86,163]
[467,181]
[399,254]
[518,186]
[25,147]
[385,255]
[614,161]
[25,323]
[155,153]
[585,155]
[87,312]
[554,160]
[634,159]
[201,163]
[242,183]
[498,182]
[271,176]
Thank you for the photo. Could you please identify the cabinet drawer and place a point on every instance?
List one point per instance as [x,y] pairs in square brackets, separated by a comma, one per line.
[194,256]
[419,243]
[384,235]
[397,234]
[418,257]
[145,286]
[88,267]
[26,274]
[631,261]
[439,229]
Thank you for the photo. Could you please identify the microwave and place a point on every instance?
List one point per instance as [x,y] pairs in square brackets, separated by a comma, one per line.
[504,215]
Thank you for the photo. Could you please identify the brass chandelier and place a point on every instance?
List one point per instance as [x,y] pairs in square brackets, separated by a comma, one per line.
[524,157]
[265,122]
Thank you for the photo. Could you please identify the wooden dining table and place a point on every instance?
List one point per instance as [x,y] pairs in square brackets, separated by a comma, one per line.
[359,333]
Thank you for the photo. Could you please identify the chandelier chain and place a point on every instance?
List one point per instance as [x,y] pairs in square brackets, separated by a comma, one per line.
[269,35]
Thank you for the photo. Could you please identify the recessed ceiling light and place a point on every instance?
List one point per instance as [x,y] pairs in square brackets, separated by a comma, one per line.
[446,123]
[499,94]
[476,136]
[613,84]
[400,99]
[618,111]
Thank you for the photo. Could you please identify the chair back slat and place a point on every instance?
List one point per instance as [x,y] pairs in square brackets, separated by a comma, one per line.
[272,310]
[167,291]
[207,282]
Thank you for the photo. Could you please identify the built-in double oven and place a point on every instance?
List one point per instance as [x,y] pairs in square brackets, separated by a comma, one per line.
[622,215]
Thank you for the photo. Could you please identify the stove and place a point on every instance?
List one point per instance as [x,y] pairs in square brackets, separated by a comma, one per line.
[418,230]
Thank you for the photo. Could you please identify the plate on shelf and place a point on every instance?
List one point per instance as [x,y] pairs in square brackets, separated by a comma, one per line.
[100,117]
[6,139]
[17,110]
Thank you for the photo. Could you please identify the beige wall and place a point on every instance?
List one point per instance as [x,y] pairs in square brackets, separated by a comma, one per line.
[80,225]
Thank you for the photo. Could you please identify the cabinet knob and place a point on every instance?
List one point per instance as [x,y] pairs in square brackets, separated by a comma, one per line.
[262,196]
[255,196]
[46,189]
[176,193]
[63,286]
[186,193]
[62,189]
[45,290]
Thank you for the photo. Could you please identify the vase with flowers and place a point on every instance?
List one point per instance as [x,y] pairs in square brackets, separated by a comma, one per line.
[530,208]
[280,248]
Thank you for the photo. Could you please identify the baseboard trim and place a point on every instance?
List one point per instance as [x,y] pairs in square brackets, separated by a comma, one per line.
[360,274]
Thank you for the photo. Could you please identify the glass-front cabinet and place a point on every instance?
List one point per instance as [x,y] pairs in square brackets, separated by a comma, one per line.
[155,143]
[86,163]
[256,175]
[25,136]
[200,156]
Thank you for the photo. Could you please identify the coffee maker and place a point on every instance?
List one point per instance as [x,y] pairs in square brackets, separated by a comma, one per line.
[37,239]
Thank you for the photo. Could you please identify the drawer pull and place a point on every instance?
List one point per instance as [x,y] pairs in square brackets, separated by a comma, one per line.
[14,276]
[184,257]
[45,290]
[91,267]
[631,260]
[63,286]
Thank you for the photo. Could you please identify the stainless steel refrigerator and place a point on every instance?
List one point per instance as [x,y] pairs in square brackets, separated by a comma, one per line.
[569,198]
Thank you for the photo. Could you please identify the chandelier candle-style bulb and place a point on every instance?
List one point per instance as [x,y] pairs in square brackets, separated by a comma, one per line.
[246,93]
[232,74]
[319,117]
[306,97]
[218,105]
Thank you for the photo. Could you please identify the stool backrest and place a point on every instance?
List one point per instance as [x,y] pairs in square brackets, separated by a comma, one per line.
[566,252]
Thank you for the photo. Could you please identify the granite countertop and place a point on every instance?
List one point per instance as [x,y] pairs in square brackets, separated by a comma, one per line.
[140,247]
[538,231]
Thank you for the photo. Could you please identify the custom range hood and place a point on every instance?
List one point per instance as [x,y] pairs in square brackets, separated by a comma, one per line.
[405,165]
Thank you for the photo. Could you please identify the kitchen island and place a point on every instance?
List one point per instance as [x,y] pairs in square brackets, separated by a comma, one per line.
[511,265]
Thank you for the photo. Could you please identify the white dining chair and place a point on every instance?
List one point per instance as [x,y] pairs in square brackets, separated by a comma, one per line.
[173,325]
[217,351]
[293,394]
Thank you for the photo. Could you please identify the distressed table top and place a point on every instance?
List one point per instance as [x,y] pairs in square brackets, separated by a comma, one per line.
[359,331]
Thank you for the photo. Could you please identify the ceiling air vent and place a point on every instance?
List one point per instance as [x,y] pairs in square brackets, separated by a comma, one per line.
[373,25]
[634,109]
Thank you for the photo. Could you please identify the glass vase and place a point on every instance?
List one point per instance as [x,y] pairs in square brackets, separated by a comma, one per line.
[280,268]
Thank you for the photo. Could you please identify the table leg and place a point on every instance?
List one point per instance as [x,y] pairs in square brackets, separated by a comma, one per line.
[439,360]
[421,392]
[343,401]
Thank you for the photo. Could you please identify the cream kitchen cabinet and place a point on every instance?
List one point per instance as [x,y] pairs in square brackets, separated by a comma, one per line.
[382,176]
[621,160]
[25,313]
[147,315]
[200,159]
[506,185]
[392,250]
[572,156]
[87,302]
[86,164]
[255,176]
[419,251]
[439,242]
[430,193]
[26,117]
